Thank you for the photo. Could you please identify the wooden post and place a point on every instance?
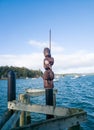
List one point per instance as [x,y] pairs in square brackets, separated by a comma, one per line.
[11,86]
[54,100]
[25,117]
[11,92]
[49,100]
[28,116]
[23,114]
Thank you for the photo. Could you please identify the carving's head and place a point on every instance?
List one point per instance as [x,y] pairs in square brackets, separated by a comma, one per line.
[47,52]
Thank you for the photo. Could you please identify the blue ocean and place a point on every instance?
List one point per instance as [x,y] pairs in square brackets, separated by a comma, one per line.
[72,92]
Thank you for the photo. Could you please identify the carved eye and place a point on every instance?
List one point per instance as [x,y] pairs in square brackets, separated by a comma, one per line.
[46,62]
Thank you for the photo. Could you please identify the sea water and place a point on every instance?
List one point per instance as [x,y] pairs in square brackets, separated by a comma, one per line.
[72,92]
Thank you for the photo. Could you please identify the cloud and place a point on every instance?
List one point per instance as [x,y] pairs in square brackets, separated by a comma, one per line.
[80,62]
[33,61]
[41,45]
[37,44]
[76,62]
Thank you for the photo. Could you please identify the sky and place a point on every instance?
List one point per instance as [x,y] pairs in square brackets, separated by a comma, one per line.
[24,33]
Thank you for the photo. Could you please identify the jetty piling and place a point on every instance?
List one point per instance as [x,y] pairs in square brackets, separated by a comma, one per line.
[11,86]
[11,95]
[25,117]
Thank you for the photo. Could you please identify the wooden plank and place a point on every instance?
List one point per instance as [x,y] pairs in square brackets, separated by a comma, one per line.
[57,111]
[37,92]
[12,121]
[59,123]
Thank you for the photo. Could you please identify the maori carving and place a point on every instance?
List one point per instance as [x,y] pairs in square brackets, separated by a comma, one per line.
[48,75]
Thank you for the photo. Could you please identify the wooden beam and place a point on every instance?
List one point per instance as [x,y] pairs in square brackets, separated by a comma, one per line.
[57,111]
[12,121]
[5,117]
[58,123]
[38,92]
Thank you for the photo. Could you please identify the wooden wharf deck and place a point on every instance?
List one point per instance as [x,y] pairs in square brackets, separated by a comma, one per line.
[63,117]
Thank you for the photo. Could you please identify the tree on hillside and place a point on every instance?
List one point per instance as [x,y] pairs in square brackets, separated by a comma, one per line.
[20,72]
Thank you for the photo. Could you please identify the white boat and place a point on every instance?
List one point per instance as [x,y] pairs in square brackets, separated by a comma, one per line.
[34,78]
[76,76]
[56,80]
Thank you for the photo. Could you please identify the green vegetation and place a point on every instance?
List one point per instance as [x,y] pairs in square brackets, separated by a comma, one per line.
[20,72]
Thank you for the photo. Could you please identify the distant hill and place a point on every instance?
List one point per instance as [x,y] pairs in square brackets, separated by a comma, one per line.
[20,72]
[73,74]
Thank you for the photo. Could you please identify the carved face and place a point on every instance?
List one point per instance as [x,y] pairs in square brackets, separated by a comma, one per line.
[47,52]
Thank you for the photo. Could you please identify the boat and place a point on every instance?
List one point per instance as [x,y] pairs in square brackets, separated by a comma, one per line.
[56,80]
[76,76]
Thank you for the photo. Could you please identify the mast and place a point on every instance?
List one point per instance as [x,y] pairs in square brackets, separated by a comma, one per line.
[50,40]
